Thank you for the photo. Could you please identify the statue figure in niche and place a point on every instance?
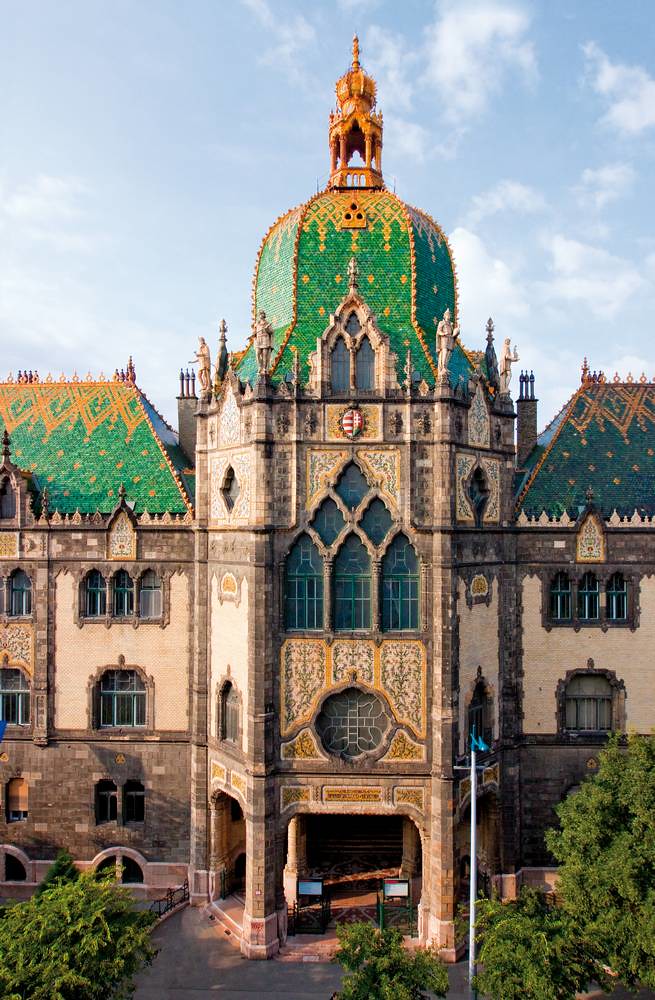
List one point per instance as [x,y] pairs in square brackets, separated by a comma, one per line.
[204,366]
[263,342]
[446,336]
[507,359]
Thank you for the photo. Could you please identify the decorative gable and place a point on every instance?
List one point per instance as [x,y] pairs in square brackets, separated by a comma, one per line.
[590,543]
[121,541]
[479,424]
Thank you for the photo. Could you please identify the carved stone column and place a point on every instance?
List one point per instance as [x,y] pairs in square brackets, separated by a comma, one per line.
[327,595]
[375,594]
[291,867]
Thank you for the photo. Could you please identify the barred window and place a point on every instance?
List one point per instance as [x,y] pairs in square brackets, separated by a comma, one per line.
[588,703]
[352,586]
[14,697]
[123,595]
[617,598]
[400,583]
[122,699]
[95,595]
[150,602]
[303,590]
[560,598]
[588,598]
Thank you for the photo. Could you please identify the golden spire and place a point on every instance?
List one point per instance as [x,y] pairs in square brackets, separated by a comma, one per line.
[355,127]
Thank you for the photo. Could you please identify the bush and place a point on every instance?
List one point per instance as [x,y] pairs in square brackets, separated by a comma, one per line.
[378,967]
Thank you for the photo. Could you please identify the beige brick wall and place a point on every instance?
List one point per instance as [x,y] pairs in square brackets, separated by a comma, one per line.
[547,656]
[478,646]
[162,653]
[229,647]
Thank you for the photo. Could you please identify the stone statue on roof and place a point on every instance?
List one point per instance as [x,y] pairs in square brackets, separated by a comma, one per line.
[446,336]
[507,359]
[203,360]
[263,342]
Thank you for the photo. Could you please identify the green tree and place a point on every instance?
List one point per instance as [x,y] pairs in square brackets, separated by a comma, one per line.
[78,940]
[378,967]
[63,869]
[530,950]
[606,850]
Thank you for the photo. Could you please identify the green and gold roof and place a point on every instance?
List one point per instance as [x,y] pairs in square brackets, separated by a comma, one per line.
[603,440]
[83,439]
[406,277]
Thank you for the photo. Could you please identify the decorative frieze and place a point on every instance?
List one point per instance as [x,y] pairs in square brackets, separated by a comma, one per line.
[17,645]
[403,748]
[409,796]
[9,544]
[293,794]
[348,793]
[302,748]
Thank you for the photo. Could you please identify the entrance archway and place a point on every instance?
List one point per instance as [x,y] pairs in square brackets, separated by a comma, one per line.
[227,860]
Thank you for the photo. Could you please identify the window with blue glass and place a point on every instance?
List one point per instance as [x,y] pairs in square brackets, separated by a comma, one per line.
[376,521]
[95,595]
[303,590]
[352,586]
[588,598]
[123,595]
[365,366]
[340,367]
[328,521]
[352,487]
[617,598]
[400,577]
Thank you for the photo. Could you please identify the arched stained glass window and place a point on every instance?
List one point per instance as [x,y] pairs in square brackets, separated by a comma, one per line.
[617,598]
[400,578]
[588,603]
[365,366]
[352,586]
[340,367]
[303,592]
[328,521]
[352,487]
[352,722]
[376,521]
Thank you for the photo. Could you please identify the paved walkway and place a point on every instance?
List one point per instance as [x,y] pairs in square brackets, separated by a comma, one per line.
[197,961]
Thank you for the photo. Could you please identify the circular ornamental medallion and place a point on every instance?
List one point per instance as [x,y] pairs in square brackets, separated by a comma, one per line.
[352,423]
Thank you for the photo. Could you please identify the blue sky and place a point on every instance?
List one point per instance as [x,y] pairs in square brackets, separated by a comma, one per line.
[145,148]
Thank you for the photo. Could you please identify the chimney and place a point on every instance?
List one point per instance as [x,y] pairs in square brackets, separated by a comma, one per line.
[526,411]
[187,403]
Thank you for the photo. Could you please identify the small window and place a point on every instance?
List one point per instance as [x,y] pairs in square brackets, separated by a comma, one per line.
[106,802]
[617,598]
[328,521]
[134,802]
[352,486]
[588,704]
[340,367]
[588,593]
[17,800]
[14,697]
[95,595]
[303,587]
[365,366]
[7,500]
[123,595]
[229,713]
[122,699]
[20,594]
[400,579]
[560,598]
[376,521]
[150,603]
[230,489]
[352,586]
[14,869]
[479,495]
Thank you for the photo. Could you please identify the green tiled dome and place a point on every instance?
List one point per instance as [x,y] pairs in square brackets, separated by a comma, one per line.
[406,277]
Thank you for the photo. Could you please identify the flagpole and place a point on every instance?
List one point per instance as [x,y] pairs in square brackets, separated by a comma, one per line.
[473,887]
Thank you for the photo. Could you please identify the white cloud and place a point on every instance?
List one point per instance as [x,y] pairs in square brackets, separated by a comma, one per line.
[488,286]
[506,196]
[624,365]
[390,60]
[406,139]
[48,210]
[470,50]
[628,90]
[289,37]
[597,279]
[597,188]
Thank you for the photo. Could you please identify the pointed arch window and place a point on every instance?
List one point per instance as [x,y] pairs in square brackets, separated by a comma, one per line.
[617,598]
[480,714]
[376,521]
[588,598]
[365,366]
[353,326]
[352,486]
[400,586]
[479,495]
[7,500]
[352,586]
[123,595]
[95,595]
[20,594]
[303,590]
[340,367]
[230,489]
[328,521]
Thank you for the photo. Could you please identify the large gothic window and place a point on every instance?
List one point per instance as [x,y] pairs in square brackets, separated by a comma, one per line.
[303,592]
[588,703]
[400,582]
[328,521]
[365,366]
[340,367]
[352,586]
[352,486]
[122,696]
[351,723]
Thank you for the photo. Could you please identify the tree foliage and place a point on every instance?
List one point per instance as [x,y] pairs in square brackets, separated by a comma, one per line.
[63,869]
[378,967]
[530,950]
[77,940]
[606,850]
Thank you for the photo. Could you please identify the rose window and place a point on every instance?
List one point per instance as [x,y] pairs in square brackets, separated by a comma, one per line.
[352,723]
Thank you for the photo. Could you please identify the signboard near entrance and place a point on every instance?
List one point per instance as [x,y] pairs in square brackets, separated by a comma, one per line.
[310,886]
[395,888]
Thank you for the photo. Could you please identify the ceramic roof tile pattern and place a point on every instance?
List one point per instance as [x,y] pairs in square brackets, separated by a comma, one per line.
[81,440]
[406,277]
[604,439]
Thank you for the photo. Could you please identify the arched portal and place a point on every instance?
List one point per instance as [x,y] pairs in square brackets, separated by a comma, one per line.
[227,860]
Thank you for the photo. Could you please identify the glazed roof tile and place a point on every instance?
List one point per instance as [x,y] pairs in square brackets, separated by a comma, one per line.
[83,439]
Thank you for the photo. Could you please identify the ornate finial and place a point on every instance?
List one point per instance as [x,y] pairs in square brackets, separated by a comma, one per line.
[131,370]
[222,360]
[122,492]
[353,275]
[6,449]
[296,366]
[355,52]
[490,330]
[585,371]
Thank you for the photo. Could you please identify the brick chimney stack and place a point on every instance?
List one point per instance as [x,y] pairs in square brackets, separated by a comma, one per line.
[526,410]
[187,404]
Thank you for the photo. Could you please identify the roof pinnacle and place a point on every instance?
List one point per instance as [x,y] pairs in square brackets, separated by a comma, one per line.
[355,52]
[6,450]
